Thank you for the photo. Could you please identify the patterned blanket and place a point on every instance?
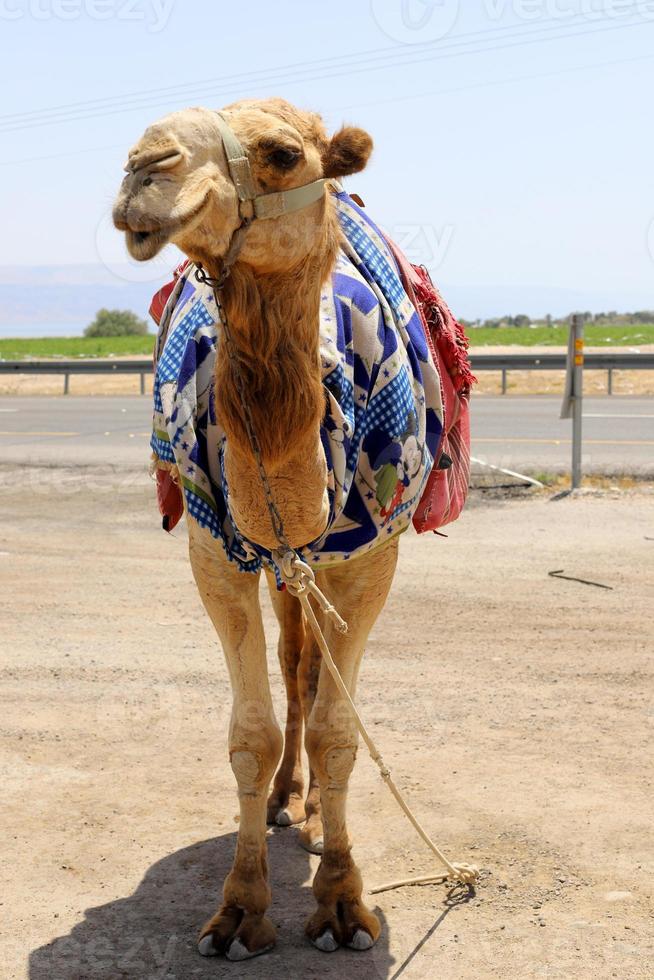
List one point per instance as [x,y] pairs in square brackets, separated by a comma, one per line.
[384,416]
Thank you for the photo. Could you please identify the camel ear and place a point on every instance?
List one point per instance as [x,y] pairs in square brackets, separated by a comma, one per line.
[347,152]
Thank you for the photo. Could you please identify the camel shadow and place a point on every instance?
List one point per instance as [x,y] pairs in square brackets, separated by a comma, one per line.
[151,934]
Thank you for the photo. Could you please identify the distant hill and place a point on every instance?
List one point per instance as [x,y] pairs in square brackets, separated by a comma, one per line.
[67,295]
[66,298]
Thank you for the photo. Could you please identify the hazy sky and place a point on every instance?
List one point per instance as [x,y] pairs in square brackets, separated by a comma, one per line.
[513,139]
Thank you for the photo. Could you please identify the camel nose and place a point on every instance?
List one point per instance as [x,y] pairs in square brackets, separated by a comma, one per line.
[118,216]
[130,212]
[121,204]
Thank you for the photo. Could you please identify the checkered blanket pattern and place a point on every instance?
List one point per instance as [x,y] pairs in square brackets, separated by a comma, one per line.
[384,416]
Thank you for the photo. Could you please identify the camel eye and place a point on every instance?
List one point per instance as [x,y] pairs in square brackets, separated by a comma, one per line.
[284,158]
[147,181]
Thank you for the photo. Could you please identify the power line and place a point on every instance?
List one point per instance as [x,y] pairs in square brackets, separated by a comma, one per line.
[265,73]
[245,77]
[497,81]
[351,65]
[379,102]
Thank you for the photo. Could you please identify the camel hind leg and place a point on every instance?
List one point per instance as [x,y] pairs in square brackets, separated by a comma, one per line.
[299,658]
[286,803]
[311,834]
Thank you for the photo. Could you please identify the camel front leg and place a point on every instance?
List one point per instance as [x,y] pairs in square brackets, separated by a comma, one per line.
[359,591]
[240,928]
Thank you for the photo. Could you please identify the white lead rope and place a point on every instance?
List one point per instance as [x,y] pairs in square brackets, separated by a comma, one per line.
[300,581]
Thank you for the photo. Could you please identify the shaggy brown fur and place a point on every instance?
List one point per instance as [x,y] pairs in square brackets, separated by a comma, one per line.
[274,321]
[347,152]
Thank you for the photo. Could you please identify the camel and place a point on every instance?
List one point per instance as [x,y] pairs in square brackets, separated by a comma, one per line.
[180,188]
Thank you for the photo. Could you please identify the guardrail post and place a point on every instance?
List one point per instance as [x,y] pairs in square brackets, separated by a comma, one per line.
[577,350]
[66,383]
[504,381]
[609,382]
[142,383]
[573,394]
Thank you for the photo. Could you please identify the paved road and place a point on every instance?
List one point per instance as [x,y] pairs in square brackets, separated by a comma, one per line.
[526,434]
[523,434]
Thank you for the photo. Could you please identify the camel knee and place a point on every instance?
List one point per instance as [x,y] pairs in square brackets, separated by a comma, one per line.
[254,765]
[332,756]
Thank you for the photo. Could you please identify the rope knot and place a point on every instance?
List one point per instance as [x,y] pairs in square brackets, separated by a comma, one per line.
[299,579]
[295,573]
[467,874]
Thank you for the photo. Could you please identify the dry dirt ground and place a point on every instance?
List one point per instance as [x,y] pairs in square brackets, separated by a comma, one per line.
[489,382]
[515,710]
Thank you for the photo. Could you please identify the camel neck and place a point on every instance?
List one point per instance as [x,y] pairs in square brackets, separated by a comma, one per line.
[275,325]
[274,320]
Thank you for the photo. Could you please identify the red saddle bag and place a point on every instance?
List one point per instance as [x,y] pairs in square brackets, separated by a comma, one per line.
[447,486]
[169,493]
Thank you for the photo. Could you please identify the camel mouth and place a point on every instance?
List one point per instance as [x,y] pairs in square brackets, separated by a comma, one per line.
[144,245]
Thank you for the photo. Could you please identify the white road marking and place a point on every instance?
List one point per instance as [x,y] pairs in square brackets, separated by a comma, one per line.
[17,432]
[596,415]
[7,410]
[560,442]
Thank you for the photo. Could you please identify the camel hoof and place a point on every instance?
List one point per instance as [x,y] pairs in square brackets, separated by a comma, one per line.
[283,819]
[326,943]
[313,846]
[206,946]
[237,951]
[361,940]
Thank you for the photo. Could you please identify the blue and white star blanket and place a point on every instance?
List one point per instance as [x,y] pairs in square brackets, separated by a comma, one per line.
[384,413]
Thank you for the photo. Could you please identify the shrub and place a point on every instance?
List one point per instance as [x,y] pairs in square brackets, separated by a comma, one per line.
[116,323]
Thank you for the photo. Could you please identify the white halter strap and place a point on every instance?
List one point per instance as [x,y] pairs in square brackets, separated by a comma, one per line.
[262,205]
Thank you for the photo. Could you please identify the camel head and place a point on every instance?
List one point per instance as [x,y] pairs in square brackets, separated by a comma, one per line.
[178,186]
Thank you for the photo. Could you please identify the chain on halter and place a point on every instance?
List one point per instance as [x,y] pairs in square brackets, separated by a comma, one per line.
[217,285]
[298,577]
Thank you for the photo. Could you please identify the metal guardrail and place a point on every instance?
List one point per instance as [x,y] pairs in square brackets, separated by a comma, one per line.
[99,365]
[504,363]
[608,362]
